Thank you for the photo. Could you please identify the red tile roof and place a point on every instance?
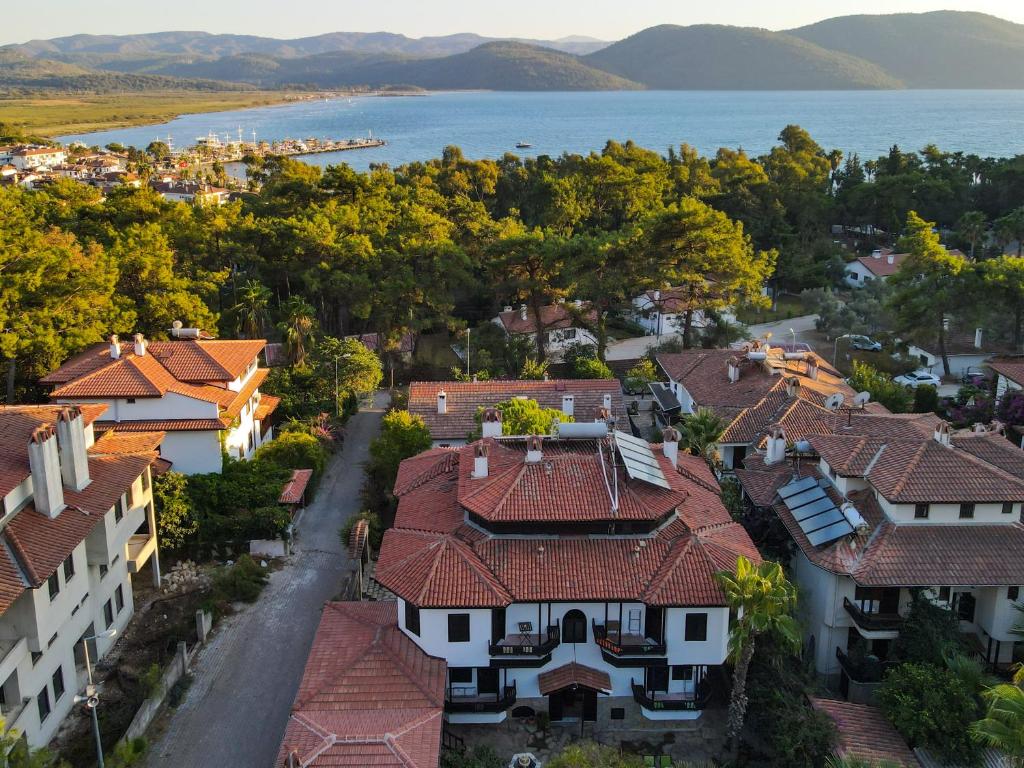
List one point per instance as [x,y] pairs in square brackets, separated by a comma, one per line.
[418,469]
[465,398]
[865,733]
[880,267]
[993,448]
[573,675]
[165,425]
[552,316]
[1010,367]
[268,404]
[369,696]
[295,488]
[116,443]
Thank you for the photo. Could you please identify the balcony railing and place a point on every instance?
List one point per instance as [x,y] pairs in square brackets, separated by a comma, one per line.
[862,669]
[457,701]
[678,702]
[528,643]
[617,643]
[872,621]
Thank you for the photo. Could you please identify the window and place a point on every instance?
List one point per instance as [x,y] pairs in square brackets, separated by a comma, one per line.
[119,509]
[103,570]
[965,606]
[1007,507]
[967,511]
[108,614]
[460,674]
[43,702]
[618,713]
[412,618]
[130,400]
[1012,593]
[458,627]
[920,511]
[52,640]
[944,594]
[119,598]
[682,672]
[574,627]
[53,583]
[696,627]
[36,656]
[69,568]
[58,684]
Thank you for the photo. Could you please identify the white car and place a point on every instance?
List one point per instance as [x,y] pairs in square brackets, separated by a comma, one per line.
[914,379]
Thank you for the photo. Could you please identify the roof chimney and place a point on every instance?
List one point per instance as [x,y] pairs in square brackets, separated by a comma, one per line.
[941,434]
[115,347]
[522,311]
[568,404]
[606,401]
[776,451]
[578,303]
[877,253]
[792,387]
[140,344]
[891,258]
[506,308]
[812,369]
[480,461]
[977,337]
[490,423]
[74,460]
[442,402]
[534,449]
[733,370]
[657,294]
[44,462]
[670,445]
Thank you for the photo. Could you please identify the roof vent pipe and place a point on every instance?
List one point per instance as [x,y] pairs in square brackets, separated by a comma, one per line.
[606,402]
[891,258]
[977,338]
[941,435]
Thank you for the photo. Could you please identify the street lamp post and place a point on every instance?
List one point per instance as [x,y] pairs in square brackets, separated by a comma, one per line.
[92,697]
[336,398]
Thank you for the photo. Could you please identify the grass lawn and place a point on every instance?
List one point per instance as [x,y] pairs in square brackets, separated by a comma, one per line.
[787,306]
[68,113]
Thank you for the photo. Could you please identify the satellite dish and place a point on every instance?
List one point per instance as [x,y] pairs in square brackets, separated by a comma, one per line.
[862,398]
[803,446]
[834,401]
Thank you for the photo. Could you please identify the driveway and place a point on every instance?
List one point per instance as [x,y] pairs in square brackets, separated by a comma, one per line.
[245,679]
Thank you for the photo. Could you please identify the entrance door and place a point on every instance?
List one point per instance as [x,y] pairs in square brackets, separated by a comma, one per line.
[497,624]
[590,706]
[890,602]
[555,706]
[653,623]
[487,680]
[657,679]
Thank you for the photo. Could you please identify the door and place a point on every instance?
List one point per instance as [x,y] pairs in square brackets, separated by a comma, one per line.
[487,680]
[590,706]
[653,623]
[574,627]
[657,679]
[890,602]
[555,706]
[497,625]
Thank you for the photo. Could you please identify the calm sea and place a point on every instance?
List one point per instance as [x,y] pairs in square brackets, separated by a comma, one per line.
[987,123]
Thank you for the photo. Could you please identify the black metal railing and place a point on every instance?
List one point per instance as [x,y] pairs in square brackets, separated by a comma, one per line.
[614,643]
[497,702]
[862,668]
[872,621]
[659,701]
[525,645]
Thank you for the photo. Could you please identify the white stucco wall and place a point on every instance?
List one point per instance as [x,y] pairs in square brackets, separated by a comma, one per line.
[193,453]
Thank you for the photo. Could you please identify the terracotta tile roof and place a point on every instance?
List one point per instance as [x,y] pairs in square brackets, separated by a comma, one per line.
[206,359]
[1010,367]
[465,398]
[994,449]
[406,344]
[432,505]
[295,488]
[369,696]
[233,407]
[573,675]
[880,267]
[268,404]
[115,443]
[129,376]
[12,582]
[552,316]
[865,733]
[165,425]
[962,343]
[424,466]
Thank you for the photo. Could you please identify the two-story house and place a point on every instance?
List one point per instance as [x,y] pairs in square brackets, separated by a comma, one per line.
[572,574]
[558,325]
[77,523]
[888,507]
[203,393]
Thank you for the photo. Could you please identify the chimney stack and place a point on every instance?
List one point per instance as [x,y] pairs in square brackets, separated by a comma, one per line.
[891,258]
[490,423]
[115,347]
[977,337]
[522,312]
[606,401]
[44,462]
[74,459]
[480,461]
[657,294]
[670,445]
[877,253]
[812,369]
[568,404]
[776,451]
[140,344]
[534,449]
[792,387]
[442,402]
[941,435]
[733,370]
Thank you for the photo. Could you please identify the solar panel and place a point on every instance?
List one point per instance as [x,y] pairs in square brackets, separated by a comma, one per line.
[795,502]
[823,504]
[796,487]
[823,520]
[639,460]
[831,533]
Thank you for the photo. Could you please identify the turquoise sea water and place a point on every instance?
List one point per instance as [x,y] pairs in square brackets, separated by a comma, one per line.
[988,123]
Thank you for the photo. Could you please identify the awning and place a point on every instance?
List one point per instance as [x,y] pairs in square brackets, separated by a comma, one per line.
[295,489]
[665,398]
[573,675]
[268,404]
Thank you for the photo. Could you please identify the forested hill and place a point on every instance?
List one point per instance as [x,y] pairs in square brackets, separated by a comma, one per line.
[944,49]
[719,57]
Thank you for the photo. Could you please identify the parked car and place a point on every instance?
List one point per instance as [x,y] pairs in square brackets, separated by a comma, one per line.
[914,379]
[865,344]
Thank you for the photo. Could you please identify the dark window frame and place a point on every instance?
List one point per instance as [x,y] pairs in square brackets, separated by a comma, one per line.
[58,683]
[43,704]
[699,627]
[1007,507]
[458,628]
[53,585]
[922,511]
[412,618]
[119,598]
[1013,593]
[682,672]
[108,613]
[967,510]
[460,675]
[69,568]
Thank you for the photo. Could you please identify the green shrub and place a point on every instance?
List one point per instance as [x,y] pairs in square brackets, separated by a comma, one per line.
[241,582]
[883,389]
[128,753]
[152,680]
[591,368]
[477,757]
[930,633]
[926,399]
[294,450]
[175,518]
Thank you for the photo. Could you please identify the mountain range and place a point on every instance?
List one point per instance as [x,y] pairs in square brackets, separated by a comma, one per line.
[942,49]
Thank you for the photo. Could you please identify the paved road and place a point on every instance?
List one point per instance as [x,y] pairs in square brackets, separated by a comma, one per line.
[245,680]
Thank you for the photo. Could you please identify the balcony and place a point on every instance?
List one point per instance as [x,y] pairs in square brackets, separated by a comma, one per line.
[872,624]
[140,548]
[621,649]
[467,699]
[525,649]
[657,701]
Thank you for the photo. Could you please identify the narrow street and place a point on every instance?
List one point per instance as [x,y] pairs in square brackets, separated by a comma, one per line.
[244,681]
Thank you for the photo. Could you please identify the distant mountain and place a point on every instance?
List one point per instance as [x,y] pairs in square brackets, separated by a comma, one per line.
[722,58]
[944,49]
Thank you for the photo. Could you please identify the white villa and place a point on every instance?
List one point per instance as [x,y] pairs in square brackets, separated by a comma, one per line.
[556,323]
[572,574]
[880,265]
[203,392]
[77,525]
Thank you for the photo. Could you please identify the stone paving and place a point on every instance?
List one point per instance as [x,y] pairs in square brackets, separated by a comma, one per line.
[245,680]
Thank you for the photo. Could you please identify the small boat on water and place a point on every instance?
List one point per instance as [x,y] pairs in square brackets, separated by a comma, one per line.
[523,145]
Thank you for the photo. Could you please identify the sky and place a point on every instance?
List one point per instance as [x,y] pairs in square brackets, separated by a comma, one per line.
[546,19]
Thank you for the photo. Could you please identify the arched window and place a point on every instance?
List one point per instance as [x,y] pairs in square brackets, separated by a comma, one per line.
[574,627]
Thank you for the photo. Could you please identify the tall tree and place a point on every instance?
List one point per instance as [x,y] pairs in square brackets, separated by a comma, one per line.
[1010,229]
[971,228]
[253,302]
[297,326]
[1002,279]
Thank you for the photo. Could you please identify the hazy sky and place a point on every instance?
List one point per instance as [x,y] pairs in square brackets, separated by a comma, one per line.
[605,19]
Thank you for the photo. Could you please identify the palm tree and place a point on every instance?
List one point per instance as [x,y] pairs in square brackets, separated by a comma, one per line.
[763,600]
[972,228]
[1010,228]
[1003,725]
[700,431]
[252,309]
[297,328]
